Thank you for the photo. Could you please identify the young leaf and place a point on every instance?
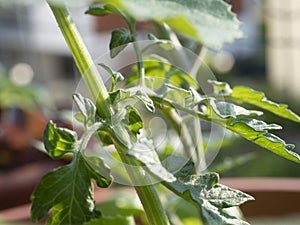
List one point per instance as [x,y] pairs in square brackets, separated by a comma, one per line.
[86,107]
[119,40]
[59,141]
[211,197]
[202,20]
[68,191]
[257,98]
[144,98]
[115,76]
[121,95]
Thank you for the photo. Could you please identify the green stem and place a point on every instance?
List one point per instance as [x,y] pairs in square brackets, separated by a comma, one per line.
[147,194]
[139,57]
[149,198]
[83,60]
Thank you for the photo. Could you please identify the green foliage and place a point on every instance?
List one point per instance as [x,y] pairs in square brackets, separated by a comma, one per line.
[256,98]
[59,141]
[119,40]
[202,20]
[207,194]
[115,76]
[87,109]
[67,192]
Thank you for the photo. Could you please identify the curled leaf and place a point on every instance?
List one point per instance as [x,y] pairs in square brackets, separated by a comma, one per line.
[59,141]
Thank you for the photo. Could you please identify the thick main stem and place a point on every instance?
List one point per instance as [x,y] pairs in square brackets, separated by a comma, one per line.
[83,60]
[147,194]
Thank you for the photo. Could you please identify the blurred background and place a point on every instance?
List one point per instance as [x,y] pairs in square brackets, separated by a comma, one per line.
[38,76]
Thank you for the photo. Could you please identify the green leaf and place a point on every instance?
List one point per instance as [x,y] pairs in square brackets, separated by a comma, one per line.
[86,107]
[257,98]
[59,141]
[238,120]
[159,72]
[211,197]
[202,20]
[68,192]
[229,110]
[132,122]
[101,10]
[119,40]
[166,44]
[121,95]
[144,151]
[113,220]
[253,130]
[144,98]
[116,76]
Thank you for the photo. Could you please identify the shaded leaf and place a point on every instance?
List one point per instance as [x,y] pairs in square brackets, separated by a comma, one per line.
[119,40]
[202,20]
[132,122]
[68,192]
[257,98]
[59,141]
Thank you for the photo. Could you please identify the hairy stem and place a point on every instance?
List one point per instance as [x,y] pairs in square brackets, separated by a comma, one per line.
[83,59]
[147,194]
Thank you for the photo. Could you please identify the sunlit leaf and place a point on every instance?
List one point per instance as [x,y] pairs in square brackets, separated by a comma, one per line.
[240,121]
[257,98]
[144,151]
[59,141]
[202,20]
[68,193]
[159,71]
